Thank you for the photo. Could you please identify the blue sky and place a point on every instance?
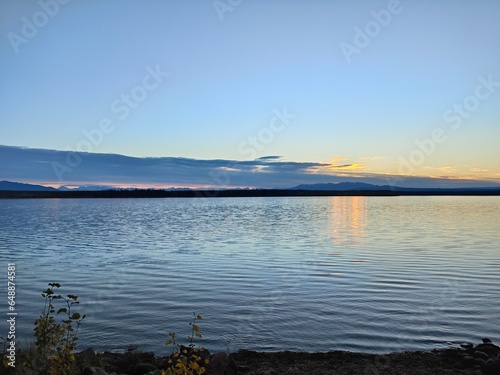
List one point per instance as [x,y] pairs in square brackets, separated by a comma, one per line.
[360,88]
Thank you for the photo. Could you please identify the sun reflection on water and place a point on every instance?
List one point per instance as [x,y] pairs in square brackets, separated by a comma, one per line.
[349,220]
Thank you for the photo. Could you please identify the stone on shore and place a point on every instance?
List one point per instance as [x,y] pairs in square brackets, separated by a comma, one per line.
[94,371]
[491,367]
[467,345]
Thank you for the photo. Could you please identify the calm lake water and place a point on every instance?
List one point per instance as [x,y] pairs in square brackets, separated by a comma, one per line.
[371,274]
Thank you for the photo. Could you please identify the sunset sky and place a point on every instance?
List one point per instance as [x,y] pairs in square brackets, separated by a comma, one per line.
[362,89]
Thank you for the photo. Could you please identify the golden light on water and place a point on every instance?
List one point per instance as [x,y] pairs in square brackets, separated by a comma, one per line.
[349,220]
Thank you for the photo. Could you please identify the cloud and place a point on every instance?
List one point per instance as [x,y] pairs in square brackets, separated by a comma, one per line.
[271,157]
[479,170]
[441,169]
[336,164]
[51,167]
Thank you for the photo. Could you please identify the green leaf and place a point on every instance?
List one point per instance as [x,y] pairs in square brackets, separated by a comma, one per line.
[75,316]
[62,309]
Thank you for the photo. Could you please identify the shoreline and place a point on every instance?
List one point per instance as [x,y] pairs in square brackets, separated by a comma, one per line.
[257,193]
[478,359]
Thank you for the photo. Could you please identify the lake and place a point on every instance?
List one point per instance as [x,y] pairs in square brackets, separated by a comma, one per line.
[366,274]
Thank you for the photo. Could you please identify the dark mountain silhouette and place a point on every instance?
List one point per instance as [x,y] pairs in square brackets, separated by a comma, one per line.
[344,186]
[20,190]
[361,186]
[18,186]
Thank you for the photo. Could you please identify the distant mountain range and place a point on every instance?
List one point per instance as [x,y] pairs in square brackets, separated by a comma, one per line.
[18,186]
[361,186]
[342,186]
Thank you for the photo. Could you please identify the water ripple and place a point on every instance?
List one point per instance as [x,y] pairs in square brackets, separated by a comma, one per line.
[311,274]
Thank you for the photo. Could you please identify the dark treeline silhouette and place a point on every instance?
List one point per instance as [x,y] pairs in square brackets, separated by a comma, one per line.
[148,193]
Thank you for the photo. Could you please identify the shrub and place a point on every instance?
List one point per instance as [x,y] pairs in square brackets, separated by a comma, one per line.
[55,337]
[187,360]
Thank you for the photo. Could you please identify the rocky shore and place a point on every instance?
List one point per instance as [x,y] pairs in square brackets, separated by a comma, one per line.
[483,358]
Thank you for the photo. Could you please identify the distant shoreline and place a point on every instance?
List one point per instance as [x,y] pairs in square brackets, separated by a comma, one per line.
[10,194]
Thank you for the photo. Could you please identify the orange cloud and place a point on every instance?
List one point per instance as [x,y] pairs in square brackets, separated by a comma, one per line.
[336,164]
